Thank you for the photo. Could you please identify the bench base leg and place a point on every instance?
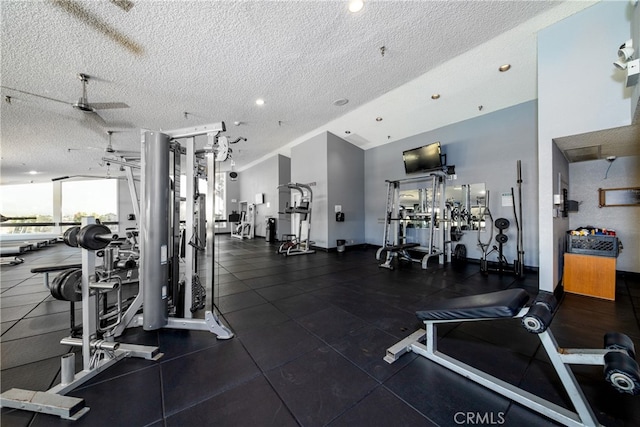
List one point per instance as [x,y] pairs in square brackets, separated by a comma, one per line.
[583,416]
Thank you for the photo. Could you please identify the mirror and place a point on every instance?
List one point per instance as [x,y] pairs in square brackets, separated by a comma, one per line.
[467,202]
[415,207]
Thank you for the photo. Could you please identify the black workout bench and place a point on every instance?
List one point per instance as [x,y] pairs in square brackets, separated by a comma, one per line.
[617,357]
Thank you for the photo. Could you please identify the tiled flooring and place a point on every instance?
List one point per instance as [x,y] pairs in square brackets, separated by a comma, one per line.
[311,332]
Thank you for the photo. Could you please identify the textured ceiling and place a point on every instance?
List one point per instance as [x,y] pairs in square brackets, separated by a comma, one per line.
[616,142]
[213,59]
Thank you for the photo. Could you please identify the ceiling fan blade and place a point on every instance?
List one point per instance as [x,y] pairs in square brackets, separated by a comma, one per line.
[125,5]
[36,95]
[108,105]
[86,16]
[99,120]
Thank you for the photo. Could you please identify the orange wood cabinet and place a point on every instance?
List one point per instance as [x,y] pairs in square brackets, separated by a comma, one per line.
[590,275]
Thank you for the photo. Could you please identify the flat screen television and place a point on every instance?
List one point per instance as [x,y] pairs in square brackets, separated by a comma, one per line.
[423,159]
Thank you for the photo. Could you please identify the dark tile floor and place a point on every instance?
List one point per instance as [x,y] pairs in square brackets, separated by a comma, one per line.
[311,332]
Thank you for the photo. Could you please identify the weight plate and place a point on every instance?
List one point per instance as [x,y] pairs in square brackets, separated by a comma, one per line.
[502,223]
[57,283]
[71,286]
[502,238]
[88,237]
[460,252]
[70,236]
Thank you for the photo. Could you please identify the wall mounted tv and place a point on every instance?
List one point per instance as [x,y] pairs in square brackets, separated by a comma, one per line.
[423,159]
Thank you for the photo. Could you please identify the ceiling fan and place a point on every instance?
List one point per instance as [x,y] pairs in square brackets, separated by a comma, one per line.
[83,103]
[109,150]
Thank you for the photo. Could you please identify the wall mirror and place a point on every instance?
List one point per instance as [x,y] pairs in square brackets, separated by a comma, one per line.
[415,207]
[467,202]
[629,196]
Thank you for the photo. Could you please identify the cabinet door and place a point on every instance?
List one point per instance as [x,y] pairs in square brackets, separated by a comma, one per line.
[590,275]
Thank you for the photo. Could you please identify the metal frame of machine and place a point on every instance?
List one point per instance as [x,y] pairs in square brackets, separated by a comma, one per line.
[160,256]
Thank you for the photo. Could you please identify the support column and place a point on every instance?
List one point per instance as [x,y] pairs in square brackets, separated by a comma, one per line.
[154,230]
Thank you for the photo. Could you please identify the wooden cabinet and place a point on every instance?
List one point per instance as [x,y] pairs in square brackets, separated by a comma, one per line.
[590,275]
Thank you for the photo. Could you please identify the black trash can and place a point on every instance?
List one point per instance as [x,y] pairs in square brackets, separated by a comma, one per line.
[341,245]
[270,234]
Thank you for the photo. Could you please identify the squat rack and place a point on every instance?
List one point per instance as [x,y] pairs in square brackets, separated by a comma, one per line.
[395,245]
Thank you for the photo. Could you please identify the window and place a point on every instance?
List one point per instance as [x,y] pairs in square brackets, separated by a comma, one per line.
[220,205]
[97,198]
[34,202]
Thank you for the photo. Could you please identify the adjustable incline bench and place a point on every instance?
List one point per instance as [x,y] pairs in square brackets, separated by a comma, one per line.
[617,357]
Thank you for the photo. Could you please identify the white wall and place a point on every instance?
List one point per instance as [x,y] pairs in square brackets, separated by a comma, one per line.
[264,178]
[586,178]
[579,91]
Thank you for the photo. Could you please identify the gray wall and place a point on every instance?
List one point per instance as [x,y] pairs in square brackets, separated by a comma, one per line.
[283,222]
[335,168]
[263,178]
[586,178]
[579,91]
[484,150]
[309,165]
[345,176]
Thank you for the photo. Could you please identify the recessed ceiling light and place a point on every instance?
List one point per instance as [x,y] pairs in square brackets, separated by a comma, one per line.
[356,5]
[504,67]
[435,96]
[378,119]
[33,172]
[340,102]
[259,101]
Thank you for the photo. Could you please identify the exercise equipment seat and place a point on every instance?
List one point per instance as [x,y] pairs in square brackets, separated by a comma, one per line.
[499,304]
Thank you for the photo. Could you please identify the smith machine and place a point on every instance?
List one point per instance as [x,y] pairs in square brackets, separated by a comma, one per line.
[167,296]
[428,211]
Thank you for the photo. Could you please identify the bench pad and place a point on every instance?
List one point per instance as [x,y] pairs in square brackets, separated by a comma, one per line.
[401,246]
[484,306]
[52,268]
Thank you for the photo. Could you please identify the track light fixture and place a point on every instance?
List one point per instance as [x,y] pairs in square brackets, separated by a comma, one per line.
[625,53]
[626,62]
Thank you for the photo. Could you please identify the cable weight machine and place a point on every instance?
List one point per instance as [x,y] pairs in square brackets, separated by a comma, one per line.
[158,265]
